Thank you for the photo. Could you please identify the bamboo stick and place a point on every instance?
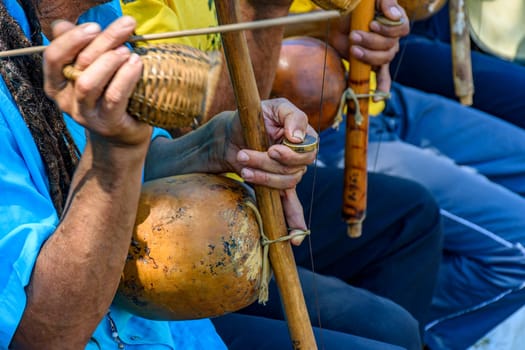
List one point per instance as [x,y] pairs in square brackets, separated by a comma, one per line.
[460,44]
[234,27]
[268,200]
[355,176]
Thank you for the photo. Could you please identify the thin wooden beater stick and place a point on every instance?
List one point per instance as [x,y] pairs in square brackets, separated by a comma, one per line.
[293,19]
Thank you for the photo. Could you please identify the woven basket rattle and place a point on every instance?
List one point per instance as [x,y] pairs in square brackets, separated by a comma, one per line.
[177,85]
[343,6]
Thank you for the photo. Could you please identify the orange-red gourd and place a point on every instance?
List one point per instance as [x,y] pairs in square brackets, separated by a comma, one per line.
[195,250]
[311,75]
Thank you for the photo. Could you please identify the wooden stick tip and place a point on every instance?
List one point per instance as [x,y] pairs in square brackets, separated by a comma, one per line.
[354,229]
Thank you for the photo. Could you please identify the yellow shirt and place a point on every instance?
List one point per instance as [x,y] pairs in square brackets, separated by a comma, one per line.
[160,16]
[301,6]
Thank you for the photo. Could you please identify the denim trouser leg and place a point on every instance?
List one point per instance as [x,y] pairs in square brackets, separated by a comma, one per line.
[399,252]
[474,165]
[335,305]
[397,258]
[470,138]
[498,85]
[425,64]
[242,332]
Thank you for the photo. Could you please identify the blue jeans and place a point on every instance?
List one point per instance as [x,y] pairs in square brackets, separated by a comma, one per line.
[242,332]
[425,63]
[357,282]
[474,165]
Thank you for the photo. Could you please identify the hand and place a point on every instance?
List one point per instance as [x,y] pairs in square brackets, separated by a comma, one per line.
[99,96]
[377,47]
[279,167]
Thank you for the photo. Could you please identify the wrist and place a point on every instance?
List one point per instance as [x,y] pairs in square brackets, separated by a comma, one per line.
[225,132]
[108,155]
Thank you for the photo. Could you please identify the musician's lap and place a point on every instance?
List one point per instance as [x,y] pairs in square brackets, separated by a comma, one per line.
[474,166]
[249,332]
[336,305]
[396,257]
[401,230]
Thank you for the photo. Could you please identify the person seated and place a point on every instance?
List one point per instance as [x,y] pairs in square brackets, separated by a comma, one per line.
[383,224]
[73,165]
[472,164]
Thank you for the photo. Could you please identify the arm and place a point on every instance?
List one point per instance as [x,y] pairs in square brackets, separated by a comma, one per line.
[78,268]
[219,147]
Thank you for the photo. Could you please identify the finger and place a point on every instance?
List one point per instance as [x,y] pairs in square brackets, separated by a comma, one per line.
[59,27]
[396,16]
[391,10]
[92,82]
[288,157]
[373,57]
[115,35]
[69,41]
[116,99]
[279,159]
[372,41]
[122,86]
[390,30]
[384,81]
[294,214]
[283,115]
[273,180]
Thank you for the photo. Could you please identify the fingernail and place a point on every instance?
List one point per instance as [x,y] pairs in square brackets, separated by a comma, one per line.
[395,12]
[134,58]
[247,174]
[91,28]
[375,26]
[57,21]
[127,21]
[298,134]
[297,237]
[357,52]
[243,157]
[122,50]
[274,154]
[356,37]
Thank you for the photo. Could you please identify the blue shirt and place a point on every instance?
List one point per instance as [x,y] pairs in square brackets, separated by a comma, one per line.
[28,218]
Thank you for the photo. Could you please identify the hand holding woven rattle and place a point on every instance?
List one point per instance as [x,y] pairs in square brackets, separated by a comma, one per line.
[177,85]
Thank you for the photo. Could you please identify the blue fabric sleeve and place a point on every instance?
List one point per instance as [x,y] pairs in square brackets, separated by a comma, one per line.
[29,218]
[28,215]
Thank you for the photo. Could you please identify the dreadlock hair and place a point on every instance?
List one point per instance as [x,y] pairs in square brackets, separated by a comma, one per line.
[23,76]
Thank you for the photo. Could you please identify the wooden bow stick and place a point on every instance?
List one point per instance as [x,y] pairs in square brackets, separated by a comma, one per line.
[234,27]
[460,45]
[355,175]
[268,200]
[459,40]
